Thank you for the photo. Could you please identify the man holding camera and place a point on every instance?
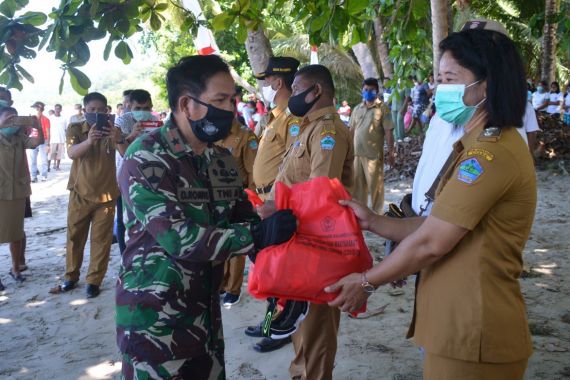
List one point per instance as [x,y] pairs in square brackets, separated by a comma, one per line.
[93,193]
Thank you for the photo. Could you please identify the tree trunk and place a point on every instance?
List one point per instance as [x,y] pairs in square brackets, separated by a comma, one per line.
[439,29]
[548,66]
[382,48]
[365,60]
[258,51]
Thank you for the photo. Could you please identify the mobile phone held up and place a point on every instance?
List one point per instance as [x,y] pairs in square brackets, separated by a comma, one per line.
[100,120]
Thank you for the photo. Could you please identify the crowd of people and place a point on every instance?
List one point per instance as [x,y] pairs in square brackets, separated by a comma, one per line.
[175,185]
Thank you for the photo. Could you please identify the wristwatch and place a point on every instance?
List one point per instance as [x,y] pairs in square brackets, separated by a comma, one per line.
[367,286]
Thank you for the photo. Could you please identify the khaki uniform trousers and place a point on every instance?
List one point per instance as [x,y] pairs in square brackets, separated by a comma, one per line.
[441,368]
[233,275]
[369,180]
[80,215]
[315,344]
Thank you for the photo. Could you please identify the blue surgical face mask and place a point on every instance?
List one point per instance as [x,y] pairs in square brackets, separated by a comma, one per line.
[9,131]
[449,103]
[369,95]
[540,89]
[141,115]
[4,103]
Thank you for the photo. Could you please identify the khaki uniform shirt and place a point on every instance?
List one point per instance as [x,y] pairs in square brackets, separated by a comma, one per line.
[14,173]
[92,175]
[469,303]
[277,136]
[368,125]
[323,147]
[242,144]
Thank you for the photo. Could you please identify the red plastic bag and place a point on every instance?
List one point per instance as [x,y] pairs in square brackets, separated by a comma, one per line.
[327,246]
[253,198]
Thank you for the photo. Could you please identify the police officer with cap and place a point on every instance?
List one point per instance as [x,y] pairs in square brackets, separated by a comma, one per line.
[282,126]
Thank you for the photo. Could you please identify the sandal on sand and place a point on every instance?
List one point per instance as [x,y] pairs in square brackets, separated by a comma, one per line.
[22,268]
[19,278]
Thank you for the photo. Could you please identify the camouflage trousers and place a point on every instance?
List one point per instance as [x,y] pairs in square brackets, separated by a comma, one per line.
[206,367]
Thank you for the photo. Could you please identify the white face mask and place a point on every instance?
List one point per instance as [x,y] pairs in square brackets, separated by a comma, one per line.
[268,93]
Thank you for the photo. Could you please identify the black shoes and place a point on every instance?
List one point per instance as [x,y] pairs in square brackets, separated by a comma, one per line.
[255,331]
[68,285]
[268,344]
[92,291]
[19,278]
[288,320]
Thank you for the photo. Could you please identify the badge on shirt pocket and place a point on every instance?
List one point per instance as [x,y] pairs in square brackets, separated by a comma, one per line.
[469,171]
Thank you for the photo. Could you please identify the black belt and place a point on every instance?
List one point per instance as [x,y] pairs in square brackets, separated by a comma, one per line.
[264,190]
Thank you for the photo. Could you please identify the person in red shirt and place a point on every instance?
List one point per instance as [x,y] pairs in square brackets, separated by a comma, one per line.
[41,149]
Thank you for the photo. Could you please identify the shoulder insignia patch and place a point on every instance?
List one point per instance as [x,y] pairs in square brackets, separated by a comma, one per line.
[491,134]
[328,129]
[328,142]
[469,171]
[481,152]
[294,130]
[153,173]
[253,144]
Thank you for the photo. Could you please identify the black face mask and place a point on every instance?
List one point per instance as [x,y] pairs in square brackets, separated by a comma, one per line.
[215,126]
[297,104]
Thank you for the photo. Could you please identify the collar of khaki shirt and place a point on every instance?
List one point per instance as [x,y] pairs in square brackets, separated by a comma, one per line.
[319,113]
[469,137]
[377,103]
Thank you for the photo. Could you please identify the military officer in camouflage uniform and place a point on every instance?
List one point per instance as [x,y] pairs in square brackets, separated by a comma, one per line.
[188,213]
[242,144]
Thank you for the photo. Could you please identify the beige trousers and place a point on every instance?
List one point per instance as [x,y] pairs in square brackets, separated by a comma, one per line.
[369,180]
[81,215]
[233,275]
[315,344]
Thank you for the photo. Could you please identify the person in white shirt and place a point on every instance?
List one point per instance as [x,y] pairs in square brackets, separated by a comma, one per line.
[58,126]
[566,105]
[541,97]
[344,112]
[555,100]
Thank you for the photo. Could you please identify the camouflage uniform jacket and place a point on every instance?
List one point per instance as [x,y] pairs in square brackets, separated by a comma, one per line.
[187,214]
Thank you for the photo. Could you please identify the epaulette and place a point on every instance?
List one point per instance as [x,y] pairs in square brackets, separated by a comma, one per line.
[490,134]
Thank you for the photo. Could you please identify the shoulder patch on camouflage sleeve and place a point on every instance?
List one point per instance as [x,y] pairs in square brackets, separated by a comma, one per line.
[152,172]
[469,170]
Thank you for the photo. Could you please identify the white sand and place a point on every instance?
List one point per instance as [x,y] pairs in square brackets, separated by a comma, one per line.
[44,336]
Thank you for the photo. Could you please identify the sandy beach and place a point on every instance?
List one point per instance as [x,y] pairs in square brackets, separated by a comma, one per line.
[66,336]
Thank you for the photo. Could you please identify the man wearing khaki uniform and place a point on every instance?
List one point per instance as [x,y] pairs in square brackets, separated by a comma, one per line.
[93,192]
[281,128]
[369,125]
[323,147]
[242,143]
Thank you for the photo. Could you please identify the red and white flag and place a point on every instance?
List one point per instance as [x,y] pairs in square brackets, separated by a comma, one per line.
[204,41]
[314,56]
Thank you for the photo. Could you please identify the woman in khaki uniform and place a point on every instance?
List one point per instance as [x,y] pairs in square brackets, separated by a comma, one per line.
[469,315]
[14,184]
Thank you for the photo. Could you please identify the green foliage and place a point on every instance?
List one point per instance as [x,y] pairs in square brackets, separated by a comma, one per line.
[70,27]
